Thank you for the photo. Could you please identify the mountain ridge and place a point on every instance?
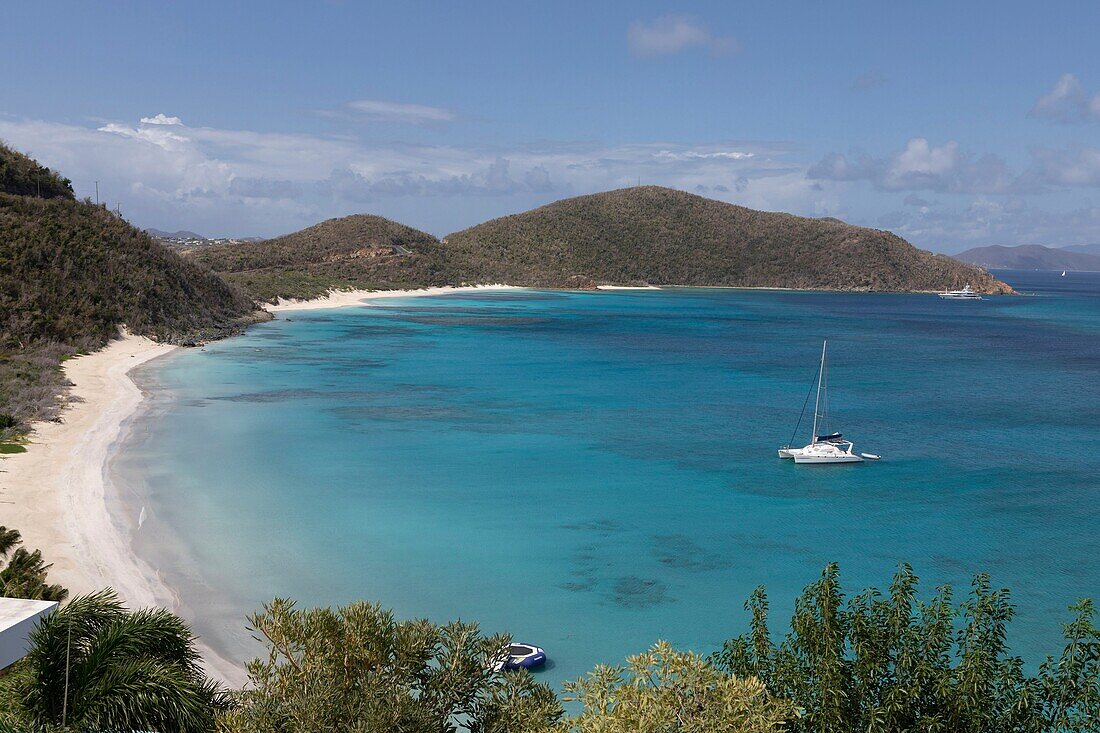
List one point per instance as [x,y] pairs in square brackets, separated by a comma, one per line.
[1030,257]
[632,236]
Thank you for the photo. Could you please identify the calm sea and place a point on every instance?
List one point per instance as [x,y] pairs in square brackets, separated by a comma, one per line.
[592,472]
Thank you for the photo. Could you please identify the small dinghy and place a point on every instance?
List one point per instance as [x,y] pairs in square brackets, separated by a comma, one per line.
[871,456]
[520,656]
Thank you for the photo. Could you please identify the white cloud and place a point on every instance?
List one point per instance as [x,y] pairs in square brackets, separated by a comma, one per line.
[987,221]
[1074,167]
[694,154]
[922,166]
[260,183]
[161,119]
[671,34]
[379,110]
[1068,102]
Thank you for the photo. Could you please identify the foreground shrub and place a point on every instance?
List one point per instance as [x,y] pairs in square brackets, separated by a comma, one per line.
[666,690]
[356,668]
[893,663]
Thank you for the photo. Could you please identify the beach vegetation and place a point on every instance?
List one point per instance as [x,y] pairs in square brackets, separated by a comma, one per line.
[895,663]
[96,666]
[357,668]
[23,572]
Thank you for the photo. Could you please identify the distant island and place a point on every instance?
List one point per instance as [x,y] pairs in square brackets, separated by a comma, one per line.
[1089,249]
[632,236]
[1034,257]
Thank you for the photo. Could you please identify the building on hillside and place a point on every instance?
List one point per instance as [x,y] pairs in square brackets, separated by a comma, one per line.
[18,617]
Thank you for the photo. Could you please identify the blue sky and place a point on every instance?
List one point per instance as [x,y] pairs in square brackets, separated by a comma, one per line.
[953,124]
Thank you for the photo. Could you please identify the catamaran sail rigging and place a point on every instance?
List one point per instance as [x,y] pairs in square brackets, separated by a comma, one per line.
[825,446]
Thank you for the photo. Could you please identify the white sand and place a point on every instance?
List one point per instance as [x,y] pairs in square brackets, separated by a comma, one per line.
[56,493]
[627,287]
[344,298]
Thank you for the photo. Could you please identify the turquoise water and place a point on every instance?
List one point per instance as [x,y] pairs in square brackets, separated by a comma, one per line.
[594,471]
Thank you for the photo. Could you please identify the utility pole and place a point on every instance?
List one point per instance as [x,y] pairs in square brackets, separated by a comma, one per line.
[97,193]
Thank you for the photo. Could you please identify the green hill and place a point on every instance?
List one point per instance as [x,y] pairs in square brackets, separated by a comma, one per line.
[631,236]
[667,237]
[71,273]
[359,251]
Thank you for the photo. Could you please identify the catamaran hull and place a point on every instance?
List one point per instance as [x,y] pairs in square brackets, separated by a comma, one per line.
[812,460]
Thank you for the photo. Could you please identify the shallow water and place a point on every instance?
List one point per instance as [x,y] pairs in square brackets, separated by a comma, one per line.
[594,471]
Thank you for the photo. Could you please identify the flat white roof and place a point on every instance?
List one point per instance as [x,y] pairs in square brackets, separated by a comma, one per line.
[16,610]
[17,619]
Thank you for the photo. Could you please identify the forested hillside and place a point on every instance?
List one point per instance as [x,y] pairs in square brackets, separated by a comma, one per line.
[667,237]
[23,176]
[631,236]
[71,273]
[359,251]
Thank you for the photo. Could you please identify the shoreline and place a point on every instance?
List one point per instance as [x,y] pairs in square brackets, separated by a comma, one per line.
[348,298]
[62,498]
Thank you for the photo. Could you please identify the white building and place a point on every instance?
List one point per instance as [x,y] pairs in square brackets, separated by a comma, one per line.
[17,620]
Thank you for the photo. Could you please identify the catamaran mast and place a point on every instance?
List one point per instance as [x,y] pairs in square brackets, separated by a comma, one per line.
[817,401]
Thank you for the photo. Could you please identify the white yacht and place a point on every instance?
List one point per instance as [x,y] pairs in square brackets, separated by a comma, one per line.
[827,448]
[965,294]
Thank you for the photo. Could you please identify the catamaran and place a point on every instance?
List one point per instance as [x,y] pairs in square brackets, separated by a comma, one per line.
[828,447]
[964,294]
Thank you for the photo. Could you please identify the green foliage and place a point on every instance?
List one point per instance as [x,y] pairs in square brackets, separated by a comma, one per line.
[22,176]
[895,663]
[127,671]
[666,690]
[11,448]
[668,237]
[23,573]
[356,668]
[70,274]
[631,236]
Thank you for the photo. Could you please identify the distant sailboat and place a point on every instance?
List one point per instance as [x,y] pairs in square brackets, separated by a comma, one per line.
[1063,273]
[829,448]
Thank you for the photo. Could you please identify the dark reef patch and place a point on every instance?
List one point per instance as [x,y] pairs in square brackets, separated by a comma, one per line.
[630,591]
[680,552]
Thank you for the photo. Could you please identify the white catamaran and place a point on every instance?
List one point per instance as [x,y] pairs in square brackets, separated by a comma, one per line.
[828,448]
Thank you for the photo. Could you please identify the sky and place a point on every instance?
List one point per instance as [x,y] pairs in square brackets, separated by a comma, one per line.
[952,124]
